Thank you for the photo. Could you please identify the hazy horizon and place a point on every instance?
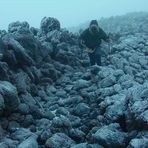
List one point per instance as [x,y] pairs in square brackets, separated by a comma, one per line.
[69,13]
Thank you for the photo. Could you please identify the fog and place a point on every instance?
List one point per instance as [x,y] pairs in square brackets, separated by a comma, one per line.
[68,12]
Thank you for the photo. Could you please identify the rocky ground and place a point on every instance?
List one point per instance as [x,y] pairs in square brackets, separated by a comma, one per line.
[51,98]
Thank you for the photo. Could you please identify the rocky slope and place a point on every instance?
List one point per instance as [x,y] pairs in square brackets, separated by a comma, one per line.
[51,98]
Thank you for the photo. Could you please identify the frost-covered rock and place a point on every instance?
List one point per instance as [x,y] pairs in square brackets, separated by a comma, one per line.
[22,82]
[116,109]
[108,81]
[82,109]
[2,104]
[6,142]
[110,136]
[48,24]
[136,143]
[61,122]
[9,93]
[21,134]
[16,26]
[29,142]
[59,140]
[137,109]
[79,84]
[19,52]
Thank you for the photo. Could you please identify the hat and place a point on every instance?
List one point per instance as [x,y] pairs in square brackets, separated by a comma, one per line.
[94,22]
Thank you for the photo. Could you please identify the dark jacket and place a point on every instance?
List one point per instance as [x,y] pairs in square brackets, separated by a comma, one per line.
[93,40]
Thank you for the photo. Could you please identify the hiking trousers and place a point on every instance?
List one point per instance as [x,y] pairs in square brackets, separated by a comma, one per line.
[95,57]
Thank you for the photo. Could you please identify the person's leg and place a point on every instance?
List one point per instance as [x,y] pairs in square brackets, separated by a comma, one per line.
[92,58]
[98,56]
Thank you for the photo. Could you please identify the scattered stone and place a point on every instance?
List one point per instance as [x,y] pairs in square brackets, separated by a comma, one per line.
[29,142]
[82,109]
[135,143]
[110,136]
[59,140]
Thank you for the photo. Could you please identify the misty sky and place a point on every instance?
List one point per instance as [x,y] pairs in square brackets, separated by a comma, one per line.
[68,12]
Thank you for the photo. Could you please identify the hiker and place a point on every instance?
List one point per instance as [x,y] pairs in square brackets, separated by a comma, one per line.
[91,39]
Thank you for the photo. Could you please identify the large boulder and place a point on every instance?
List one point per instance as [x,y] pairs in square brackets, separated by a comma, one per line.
[4,71]
[137,143]
[21,32]
[16,26]
[110,136]
[136,115]
[115,111]
[9,93]
[22,134]
[22,82]
[7,142]
[29,142]
[2,33]
[19,52]
[49,24]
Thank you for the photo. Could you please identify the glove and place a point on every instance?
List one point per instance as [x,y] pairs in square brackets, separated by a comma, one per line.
[106,40]
[90,50]
[82,44]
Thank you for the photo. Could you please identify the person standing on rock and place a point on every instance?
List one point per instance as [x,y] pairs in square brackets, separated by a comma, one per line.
[91,40]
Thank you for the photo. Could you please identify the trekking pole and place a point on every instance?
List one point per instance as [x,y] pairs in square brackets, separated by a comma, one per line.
[110,47]
[81,52]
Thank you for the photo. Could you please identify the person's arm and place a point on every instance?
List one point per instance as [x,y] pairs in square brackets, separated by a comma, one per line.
[82,43]
[81,40]
[104,36]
